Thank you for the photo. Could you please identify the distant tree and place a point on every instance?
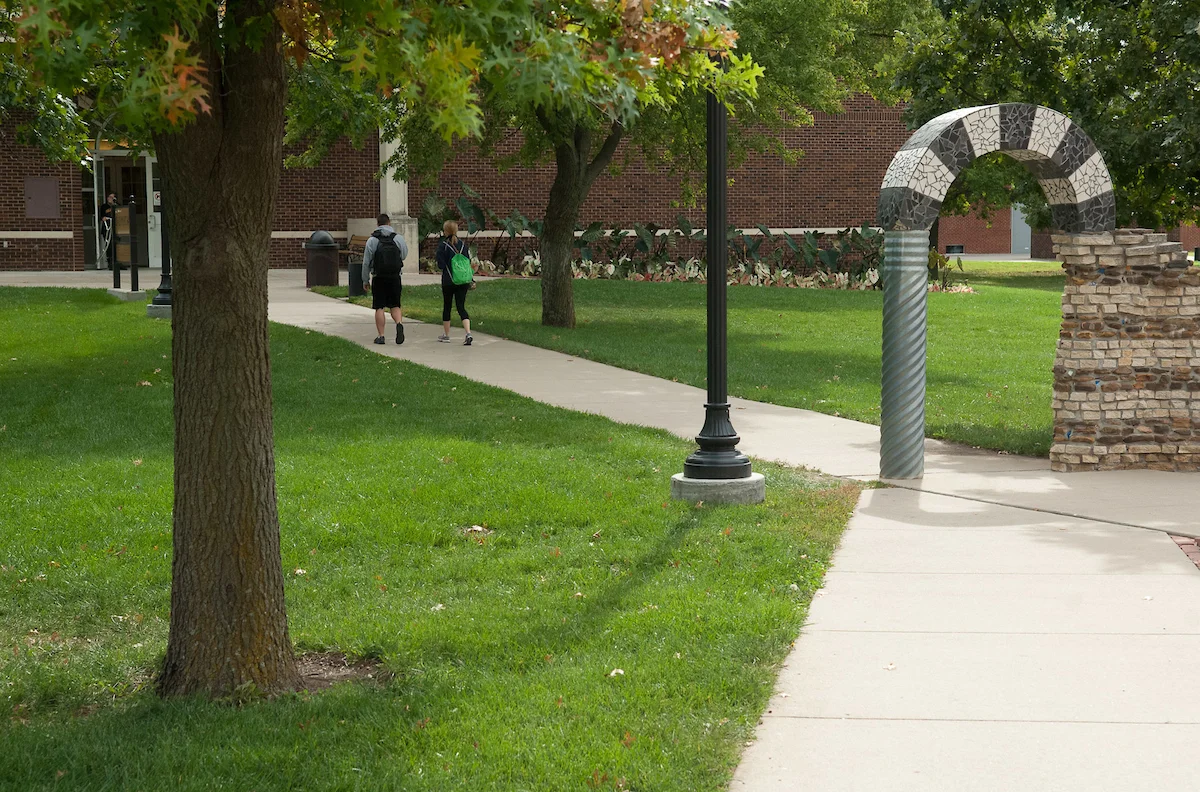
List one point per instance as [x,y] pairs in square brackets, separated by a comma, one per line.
[643,61]
[1127,73]
[784,59]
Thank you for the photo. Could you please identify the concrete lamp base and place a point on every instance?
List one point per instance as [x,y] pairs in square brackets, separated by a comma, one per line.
[158,311]
[742,490]
[127,296]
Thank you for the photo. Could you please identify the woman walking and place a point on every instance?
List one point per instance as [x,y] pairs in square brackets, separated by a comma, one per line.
[449,247]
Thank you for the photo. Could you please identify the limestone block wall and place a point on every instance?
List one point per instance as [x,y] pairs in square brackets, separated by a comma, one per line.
[1127,373]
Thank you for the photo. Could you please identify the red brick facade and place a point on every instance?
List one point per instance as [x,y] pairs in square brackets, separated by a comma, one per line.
[835,185]
[343,186]
[975,234]
[1188,236]
[19,163]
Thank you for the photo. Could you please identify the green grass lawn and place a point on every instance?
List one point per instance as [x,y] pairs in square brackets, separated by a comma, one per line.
[502,647]
[990,353]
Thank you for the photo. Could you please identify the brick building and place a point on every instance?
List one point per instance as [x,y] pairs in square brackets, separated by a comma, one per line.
[834,186]
[47,211]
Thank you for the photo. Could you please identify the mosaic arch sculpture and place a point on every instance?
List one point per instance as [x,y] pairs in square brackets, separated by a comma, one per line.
[1077,186]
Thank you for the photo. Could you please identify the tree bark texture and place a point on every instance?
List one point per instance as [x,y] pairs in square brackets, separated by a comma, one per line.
[228,623]
[575,172]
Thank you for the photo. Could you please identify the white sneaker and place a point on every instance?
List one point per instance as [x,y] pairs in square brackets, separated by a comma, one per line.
[443,338]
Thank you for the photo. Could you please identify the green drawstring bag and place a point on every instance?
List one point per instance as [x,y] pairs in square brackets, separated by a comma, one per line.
[460,268]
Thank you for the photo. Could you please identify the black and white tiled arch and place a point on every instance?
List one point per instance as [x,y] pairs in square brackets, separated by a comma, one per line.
[1061,155]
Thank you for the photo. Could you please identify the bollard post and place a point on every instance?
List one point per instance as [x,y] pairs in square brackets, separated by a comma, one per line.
[133,251]
[164,285]
[902,406]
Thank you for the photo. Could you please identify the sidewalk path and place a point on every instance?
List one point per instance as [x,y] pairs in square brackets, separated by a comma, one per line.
[994,627]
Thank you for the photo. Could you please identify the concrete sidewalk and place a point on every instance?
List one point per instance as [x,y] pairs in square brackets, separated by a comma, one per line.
[995,626]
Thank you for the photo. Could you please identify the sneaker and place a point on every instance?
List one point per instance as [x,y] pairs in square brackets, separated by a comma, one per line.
[399,334]
[443,337]
[468,340]
[381,340]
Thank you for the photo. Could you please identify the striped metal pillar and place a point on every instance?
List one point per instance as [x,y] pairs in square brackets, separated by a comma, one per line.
[902,420]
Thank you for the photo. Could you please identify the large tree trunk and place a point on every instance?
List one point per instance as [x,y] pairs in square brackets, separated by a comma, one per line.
[575,173]
[228,625]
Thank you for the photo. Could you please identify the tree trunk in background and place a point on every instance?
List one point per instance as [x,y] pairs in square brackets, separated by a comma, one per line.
[228,625]
[575,173]
[558,236]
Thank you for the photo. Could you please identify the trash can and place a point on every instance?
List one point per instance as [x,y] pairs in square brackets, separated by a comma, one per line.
[322,254]
[354,275]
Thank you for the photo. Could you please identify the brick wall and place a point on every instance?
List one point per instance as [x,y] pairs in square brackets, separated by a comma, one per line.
[1188,236]
[341,187]
[835,185]
[1128,363]
[975,234]
[18,163]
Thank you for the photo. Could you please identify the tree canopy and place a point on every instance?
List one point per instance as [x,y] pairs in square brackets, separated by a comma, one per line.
[782,59]
[1128,73]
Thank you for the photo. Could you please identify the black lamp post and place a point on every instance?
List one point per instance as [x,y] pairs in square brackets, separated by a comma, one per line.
[164,286]
[717,457]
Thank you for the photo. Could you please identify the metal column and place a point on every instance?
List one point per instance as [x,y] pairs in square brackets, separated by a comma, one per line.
[717,457]
[902,419]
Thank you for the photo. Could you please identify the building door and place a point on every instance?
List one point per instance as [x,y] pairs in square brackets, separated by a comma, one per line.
[138,180]
[153,207]
[1022,234]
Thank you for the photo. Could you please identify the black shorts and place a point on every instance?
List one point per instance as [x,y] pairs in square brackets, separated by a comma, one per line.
[385,293]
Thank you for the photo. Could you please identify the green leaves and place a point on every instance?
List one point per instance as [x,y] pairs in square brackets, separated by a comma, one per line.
[1127,73]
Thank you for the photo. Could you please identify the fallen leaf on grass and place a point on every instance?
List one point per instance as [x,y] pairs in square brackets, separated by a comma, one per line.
[438,607]
[298,571]
[616,672]
[145,384]
[137,462]
[628,740]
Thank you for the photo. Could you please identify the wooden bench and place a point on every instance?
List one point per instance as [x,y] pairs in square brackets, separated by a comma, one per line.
[354,250]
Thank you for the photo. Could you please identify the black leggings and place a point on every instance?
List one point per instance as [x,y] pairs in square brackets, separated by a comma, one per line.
[459,295]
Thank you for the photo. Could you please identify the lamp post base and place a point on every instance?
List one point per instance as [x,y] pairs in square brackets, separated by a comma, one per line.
[750,490]
[128,296]
[158,311]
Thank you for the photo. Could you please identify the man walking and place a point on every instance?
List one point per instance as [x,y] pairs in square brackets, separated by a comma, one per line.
[384,255]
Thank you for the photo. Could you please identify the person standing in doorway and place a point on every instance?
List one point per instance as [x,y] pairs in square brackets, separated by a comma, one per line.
[449,247]
[107,212]
[384,255]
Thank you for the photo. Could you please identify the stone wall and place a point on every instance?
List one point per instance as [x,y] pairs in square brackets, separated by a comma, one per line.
[1128,363]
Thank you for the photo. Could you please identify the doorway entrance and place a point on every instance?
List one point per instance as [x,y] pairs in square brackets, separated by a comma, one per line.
[137,179]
